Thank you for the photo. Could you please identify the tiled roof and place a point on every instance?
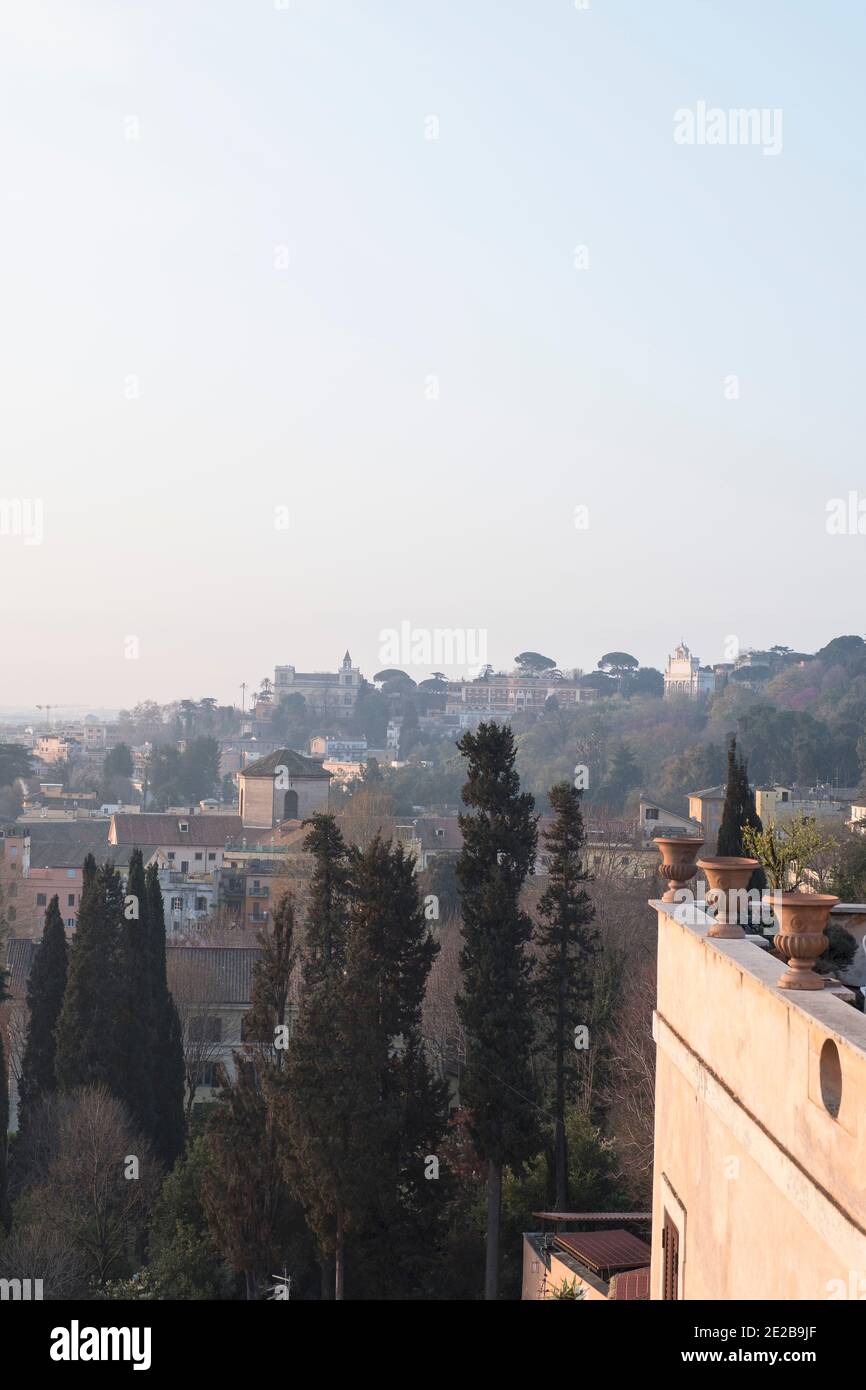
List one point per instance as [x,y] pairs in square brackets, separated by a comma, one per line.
[296,764]
[633,1284]
[66,844]
[19,958]
[196,974]
[153,828]
[211,974]
[605,1252]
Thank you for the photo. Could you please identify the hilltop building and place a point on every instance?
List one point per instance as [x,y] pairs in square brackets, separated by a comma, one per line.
[326,693]
[686,676]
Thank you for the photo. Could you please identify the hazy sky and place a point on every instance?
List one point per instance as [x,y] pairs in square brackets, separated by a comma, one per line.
[236,269]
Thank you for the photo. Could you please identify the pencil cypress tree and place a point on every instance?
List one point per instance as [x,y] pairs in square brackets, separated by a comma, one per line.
[138,1038]
[5,1213]
[327,914]
[88,1033]
[45,989]
[738,811]
[499,843]
[567,943]
[390,951]
[168,1077]
[317,1102]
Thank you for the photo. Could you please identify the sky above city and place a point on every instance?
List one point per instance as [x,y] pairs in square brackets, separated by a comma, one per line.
[327,319]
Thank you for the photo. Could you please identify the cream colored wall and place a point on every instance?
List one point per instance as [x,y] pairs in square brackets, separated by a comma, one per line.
[770,1183]
[258,795]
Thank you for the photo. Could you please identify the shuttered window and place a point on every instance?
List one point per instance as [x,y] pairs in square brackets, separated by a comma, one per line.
[671,1250]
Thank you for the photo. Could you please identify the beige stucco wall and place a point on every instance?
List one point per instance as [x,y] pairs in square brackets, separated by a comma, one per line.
[765,1185]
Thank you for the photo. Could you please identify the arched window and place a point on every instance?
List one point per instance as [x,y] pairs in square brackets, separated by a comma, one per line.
[290,806]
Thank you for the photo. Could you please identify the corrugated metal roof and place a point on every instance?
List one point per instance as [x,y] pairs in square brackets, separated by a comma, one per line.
[605,1252]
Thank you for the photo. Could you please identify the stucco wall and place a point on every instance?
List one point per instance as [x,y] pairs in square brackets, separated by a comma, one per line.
[764,1183]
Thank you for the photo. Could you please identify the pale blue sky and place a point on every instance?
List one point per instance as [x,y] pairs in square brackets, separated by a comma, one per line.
[152,264]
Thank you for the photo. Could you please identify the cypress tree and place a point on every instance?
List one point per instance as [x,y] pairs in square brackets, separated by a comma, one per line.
[499,843]
[272,974]
[317,1099]
[88,1026]
[169,1130]
[5,1212]
[45,989]
[362,1110]
[389,955]
[567,942]
[738,811]
[325,942]
[137,1034]
[247,1200]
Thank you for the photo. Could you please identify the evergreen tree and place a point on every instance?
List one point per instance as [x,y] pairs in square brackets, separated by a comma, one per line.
[325,945]
[623,774]
[499,843]
[168,1073]
[5,1212]
[137,1033]
[88,1026]
[249,1205]
[389,955]
[567,943]
[739,810]
[359,1106]
[272,974]
[45,990]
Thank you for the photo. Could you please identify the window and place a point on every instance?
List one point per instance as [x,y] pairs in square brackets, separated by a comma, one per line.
[70,921]
[206,1028]
[70,900]
[651,813]
[70,873]
[784,796]
[177,904]
[208,1075]
[201,904]
[183,826]
[40,900]
[671,1258]
[198,854]
[171,854]
[12,889]
[211,856]
[184,866]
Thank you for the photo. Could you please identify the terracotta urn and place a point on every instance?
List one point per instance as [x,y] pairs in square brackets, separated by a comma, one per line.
[802,918]
[728,876]
[679,860]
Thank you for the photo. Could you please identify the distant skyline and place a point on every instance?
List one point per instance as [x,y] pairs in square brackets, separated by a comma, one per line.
[323,319]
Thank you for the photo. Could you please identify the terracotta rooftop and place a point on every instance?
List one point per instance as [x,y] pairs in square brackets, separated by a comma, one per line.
[154,828]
